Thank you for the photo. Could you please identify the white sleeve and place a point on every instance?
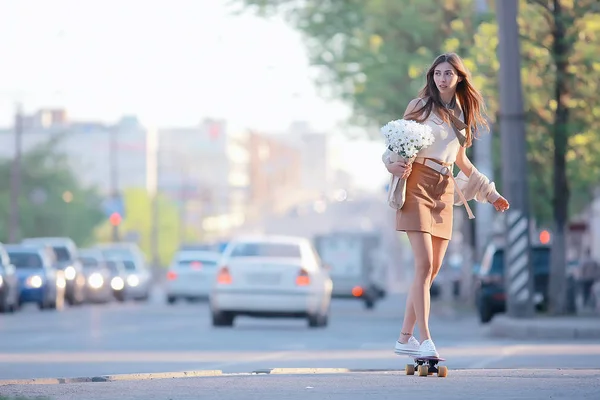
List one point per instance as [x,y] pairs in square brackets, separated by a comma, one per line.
[477,186]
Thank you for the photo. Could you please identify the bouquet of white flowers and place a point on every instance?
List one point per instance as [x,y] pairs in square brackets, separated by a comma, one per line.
[404,139]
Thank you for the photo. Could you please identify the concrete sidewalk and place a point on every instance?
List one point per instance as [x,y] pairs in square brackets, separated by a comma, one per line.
[316,384]
[545,327]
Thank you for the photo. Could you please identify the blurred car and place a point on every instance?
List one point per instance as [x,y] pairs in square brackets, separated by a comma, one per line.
[490,293]
[118,278]
[39,282]
[138,280]
[9,283]
[271,276]
[98,276]
[66,261]
[191,275]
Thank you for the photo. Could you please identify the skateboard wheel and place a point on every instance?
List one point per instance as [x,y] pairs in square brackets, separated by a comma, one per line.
[423,370]
[442,371]
[410,369]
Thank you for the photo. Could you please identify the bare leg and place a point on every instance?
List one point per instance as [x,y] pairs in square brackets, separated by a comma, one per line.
[418,296]
[439,247]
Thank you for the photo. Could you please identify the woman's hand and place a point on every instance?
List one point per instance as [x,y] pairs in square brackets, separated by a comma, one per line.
[401,169]
[501,204]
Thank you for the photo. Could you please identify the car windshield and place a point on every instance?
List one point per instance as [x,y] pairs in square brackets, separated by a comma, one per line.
[89,262]
[62,253]
[117,253]
[22,260]
[285,250]
[112,266]
[540,260]
[129,265]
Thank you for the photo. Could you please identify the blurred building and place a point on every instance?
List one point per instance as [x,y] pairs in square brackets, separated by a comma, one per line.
[88,145]
[275,170]
[203,168]
[219,179]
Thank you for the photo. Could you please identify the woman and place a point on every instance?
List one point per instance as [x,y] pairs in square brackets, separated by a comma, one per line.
[453,108]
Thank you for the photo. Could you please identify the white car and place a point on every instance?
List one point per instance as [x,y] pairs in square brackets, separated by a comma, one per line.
[271,276]
[191,275]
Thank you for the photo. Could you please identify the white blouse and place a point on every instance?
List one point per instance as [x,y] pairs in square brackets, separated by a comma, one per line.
[446,145]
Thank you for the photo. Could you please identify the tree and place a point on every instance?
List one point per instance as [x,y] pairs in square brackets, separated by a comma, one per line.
[373,54]
[566,55]
[52,202]
[138,222]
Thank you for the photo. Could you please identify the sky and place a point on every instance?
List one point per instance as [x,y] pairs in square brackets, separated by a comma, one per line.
[171,63]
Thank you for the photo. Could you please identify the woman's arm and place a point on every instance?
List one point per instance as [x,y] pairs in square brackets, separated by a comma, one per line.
[463,162]
[467,167]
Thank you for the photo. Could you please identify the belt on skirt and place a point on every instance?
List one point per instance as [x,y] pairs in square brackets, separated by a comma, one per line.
[445,170]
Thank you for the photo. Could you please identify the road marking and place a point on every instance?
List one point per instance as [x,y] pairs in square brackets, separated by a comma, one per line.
[484,363]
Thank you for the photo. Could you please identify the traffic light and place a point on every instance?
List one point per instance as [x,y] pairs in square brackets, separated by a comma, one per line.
[115,219]
[544,237]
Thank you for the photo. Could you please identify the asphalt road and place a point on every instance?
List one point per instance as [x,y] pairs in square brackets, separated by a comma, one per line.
[96,340]
[477,384]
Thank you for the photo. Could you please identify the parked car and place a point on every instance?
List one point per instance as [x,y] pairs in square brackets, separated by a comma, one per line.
[67,261]
[9,283]
[271,276]
[39,281]
[490,293]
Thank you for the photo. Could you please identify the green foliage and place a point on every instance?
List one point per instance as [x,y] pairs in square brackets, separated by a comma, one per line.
[374,53]
[46,177]
[138,221]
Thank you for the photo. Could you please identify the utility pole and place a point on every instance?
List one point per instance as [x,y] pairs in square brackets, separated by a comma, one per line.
[15,178]
[114,177]
[152,184]
[483,158]
[183,198]
[517,264]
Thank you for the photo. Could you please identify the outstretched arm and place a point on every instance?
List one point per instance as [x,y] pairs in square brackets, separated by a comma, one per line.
[467,167]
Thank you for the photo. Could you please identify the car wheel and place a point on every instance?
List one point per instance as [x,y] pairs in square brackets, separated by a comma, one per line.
[318,321]
[171,299]
[369,303]
[222,319]
[485,313]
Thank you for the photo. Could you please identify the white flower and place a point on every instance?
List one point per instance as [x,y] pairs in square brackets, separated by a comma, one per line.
[406,138]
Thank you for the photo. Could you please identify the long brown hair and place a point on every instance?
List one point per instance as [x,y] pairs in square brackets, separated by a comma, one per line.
[469,98]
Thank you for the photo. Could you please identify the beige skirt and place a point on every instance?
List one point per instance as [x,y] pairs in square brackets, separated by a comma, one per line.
[429,203]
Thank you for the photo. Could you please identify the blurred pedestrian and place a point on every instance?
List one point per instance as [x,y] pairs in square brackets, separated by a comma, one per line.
[453,108]
[590,273]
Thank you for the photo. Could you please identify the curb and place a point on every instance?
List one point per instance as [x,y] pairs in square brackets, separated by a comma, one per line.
[112,378]
[505,327]
[188,374]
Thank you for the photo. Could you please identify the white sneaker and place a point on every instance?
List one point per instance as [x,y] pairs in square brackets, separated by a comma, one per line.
[427,349]
[409,348]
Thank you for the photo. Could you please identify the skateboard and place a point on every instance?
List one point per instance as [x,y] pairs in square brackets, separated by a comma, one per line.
[427,366]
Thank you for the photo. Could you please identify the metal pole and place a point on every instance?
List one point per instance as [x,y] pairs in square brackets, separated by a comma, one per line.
[114,176]
[517,265]
[153,186]
[15,179]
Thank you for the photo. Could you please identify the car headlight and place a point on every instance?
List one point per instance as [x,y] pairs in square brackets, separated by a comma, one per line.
[133,280]
[95,280]
[117,283]
[70,273]
[60,282]
[34,281]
